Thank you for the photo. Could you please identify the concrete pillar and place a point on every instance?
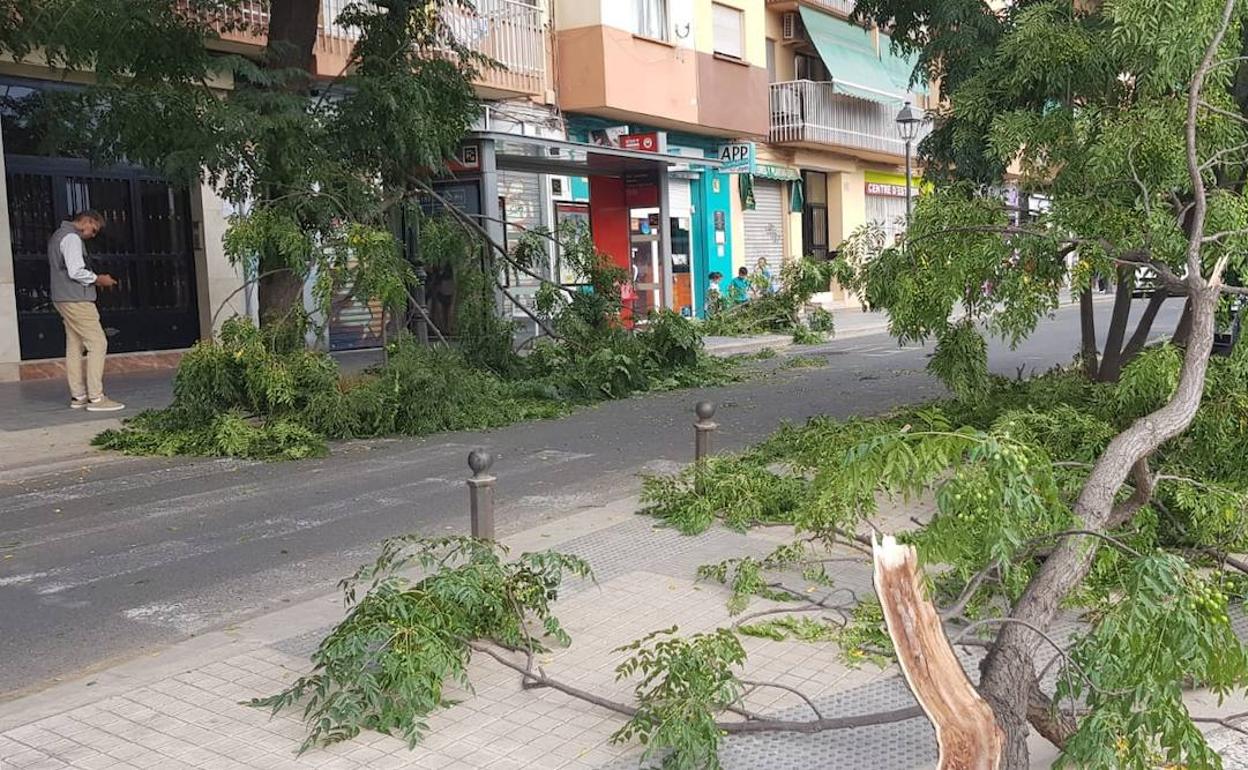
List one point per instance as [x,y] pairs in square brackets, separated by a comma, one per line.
[847,205]
[665,238]
[219,284]
[847,211]
[10,348]
[739,256]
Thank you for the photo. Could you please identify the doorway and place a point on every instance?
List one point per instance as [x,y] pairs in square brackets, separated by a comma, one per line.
[145,244]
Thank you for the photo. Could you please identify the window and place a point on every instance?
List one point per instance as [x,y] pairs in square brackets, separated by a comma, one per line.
[771,61]
[729,30]
[807,67]
[652,19]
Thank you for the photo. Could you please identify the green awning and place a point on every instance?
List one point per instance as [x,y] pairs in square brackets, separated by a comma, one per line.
[849,54]
[900,68]
[745,187]
[797,196]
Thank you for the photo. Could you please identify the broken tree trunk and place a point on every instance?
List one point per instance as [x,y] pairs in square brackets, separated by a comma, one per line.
[966,730]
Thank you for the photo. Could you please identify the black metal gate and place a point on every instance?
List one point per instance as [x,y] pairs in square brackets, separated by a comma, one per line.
[145,245]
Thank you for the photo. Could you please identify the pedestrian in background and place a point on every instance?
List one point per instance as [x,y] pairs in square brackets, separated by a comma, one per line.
[738,290]
[764,278]
[73,286]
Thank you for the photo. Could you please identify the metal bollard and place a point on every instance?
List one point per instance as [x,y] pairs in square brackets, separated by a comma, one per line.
[481,494]
[703,427]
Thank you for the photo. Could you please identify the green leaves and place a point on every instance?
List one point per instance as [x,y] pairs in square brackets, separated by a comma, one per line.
[683,683]
[779,312]
[387,665]
[1169,625]
[740,492]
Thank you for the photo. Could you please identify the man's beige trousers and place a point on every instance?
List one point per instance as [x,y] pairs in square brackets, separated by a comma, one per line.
[83,332]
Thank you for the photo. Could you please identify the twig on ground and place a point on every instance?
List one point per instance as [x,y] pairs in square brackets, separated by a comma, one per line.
[1227,722]
[753,724]
[776,685]
[968,592]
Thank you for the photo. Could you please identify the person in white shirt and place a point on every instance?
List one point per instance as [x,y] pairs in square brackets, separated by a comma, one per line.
[72,287]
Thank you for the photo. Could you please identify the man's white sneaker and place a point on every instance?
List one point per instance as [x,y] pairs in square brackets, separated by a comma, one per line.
[104,404]
[78,402]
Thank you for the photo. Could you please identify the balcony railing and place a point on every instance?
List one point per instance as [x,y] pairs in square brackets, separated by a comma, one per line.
[806,112]
[839,7]
[512,33]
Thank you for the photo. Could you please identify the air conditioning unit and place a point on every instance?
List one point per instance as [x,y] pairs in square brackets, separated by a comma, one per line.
[792,24]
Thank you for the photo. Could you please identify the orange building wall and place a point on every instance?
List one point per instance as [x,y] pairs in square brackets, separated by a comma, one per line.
[603,70]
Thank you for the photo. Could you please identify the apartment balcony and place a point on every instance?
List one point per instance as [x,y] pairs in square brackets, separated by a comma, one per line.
[809,114]
[512,33]
[842,8]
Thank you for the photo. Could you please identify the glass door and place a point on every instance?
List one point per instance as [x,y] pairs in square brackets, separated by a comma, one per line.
[646,263]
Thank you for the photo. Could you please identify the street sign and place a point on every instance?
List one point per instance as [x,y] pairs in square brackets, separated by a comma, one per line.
[737,157]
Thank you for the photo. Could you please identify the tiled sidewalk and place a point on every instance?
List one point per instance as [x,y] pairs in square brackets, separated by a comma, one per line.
[189,715]
[182,709]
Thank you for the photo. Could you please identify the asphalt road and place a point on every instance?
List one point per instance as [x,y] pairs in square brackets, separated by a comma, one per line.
[120,558]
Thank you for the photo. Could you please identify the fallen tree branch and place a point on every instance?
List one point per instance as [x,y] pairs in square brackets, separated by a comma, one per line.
[754,723]
[776,685]
[812,607]
[968,592]
[1227,722]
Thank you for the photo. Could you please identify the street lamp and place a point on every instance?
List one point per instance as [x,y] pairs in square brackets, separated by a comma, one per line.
[908,121]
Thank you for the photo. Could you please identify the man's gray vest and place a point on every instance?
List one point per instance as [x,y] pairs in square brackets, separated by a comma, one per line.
[64,288]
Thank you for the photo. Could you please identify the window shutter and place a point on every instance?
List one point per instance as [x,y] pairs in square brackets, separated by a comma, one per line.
[728,34]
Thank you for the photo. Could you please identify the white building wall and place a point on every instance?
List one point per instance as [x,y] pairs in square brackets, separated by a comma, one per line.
[219,284]
[10,349]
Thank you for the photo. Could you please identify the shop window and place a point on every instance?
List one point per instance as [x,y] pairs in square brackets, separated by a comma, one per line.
[651,19]
[729,31]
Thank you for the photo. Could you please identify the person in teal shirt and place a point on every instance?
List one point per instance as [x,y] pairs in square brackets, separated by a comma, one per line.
[738,289]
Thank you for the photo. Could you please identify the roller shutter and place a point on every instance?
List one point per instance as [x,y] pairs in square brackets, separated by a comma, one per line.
[764,226]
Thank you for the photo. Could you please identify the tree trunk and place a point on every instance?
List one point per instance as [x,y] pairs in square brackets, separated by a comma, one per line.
[280,293]
[1087,329]
[966,734]
[1111,362]
[291,40]
[1183,331]
[1009,669]
[1053,725]
[1145,327]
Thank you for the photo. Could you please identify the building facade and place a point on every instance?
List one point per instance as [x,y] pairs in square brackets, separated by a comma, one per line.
[692,137]
[834,92]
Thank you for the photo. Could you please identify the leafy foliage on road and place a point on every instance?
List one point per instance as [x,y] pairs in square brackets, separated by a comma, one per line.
[260,393]
[388,665]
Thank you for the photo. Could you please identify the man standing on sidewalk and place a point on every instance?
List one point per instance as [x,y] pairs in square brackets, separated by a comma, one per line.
[73,294]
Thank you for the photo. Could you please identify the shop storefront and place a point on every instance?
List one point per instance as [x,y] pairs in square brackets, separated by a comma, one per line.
[767,200]
[699,221]
[640,206]
[886,202]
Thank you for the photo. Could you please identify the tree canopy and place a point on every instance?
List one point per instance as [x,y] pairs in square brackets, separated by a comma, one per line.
[313,164]
[1086,104]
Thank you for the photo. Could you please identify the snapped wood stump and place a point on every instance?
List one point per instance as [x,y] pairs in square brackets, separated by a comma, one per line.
[966,731]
